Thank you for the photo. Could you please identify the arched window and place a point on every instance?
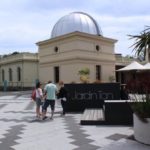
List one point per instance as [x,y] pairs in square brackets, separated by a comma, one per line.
[10,74]
[3,75]
[19,73]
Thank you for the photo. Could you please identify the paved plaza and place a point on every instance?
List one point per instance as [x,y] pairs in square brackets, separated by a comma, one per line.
[20,130]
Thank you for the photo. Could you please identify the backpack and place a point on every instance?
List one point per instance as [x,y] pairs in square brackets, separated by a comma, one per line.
[33,95]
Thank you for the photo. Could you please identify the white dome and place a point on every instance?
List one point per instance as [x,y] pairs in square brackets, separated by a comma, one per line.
[76,21]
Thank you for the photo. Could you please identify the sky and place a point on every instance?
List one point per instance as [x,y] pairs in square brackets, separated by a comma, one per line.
[26,22]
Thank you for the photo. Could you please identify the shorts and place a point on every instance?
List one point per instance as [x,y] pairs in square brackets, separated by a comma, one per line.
[38,102]
[47,103]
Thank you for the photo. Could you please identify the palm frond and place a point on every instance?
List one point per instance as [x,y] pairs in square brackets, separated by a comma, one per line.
[142,42]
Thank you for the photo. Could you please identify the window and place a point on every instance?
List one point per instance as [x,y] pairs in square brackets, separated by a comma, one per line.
[19,73]
[10,74]
[3,75]
[56,74]
[56,49]
[98,48]
[98,72]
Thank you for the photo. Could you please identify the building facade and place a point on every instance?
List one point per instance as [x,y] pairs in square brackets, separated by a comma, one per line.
[62,57]
[19,70]
[76,43]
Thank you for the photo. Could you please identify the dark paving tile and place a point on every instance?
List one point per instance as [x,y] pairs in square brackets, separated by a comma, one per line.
[131,137]
[35,120]
[76,131]
[81,141]
[116,137]
[10,137]
[2,105]
[128,145]
[14,120]
[77,134]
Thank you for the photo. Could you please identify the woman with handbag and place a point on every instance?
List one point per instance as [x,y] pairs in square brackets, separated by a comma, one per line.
[39,97]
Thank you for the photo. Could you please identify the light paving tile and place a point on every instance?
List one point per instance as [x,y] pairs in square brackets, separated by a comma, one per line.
[126,145]
[102,142]
[63,133]
[11,97]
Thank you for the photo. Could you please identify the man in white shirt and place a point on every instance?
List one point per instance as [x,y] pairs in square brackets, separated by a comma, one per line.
[50,90]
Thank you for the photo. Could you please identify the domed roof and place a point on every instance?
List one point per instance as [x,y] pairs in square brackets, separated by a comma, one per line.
[76,21]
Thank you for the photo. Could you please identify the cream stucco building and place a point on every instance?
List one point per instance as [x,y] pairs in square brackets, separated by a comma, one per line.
[76,43]
[76,51]
[19,70]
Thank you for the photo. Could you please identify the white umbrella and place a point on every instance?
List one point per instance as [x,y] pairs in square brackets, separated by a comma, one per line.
[147,66]
[133,66]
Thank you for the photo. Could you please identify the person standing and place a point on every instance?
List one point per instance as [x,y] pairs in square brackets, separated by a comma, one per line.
[39,96]
[62,95]
[123,92]
[50,91]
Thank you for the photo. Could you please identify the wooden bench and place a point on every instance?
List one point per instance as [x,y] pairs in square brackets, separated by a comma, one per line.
[93,116]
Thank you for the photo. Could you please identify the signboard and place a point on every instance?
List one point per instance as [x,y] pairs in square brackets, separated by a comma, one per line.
[81,96]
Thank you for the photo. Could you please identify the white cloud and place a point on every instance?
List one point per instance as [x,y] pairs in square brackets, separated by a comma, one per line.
[120,27]
[25,22]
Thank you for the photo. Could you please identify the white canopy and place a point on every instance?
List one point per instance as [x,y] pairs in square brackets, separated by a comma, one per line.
[133,66]
[147,66]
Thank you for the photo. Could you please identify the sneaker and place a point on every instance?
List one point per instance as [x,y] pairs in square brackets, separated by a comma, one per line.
[37,117]
[44,118]
[62,115]
[51,118]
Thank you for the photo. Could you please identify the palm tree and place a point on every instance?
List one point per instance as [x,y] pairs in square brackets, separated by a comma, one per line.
[142,43]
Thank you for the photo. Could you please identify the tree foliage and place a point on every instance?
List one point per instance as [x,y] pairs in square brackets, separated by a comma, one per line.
[142,42]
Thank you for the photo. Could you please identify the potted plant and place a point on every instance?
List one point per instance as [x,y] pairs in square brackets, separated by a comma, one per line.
[111,78]
[139,95]
[84,75]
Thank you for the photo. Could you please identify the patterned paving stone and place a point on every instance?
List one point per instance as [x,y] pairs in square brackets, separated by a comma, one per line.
[14,120]
[2,105]
[10,102]
[87,147]
[127,145]
[30,106]
[79,138]
[19,130]
[131,137]
[117,137]
[20,112]
[10,137]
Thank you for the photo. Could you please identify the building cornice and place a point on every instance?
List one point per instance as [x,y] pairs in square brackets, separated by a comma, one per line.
[19,58]
[76,35]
